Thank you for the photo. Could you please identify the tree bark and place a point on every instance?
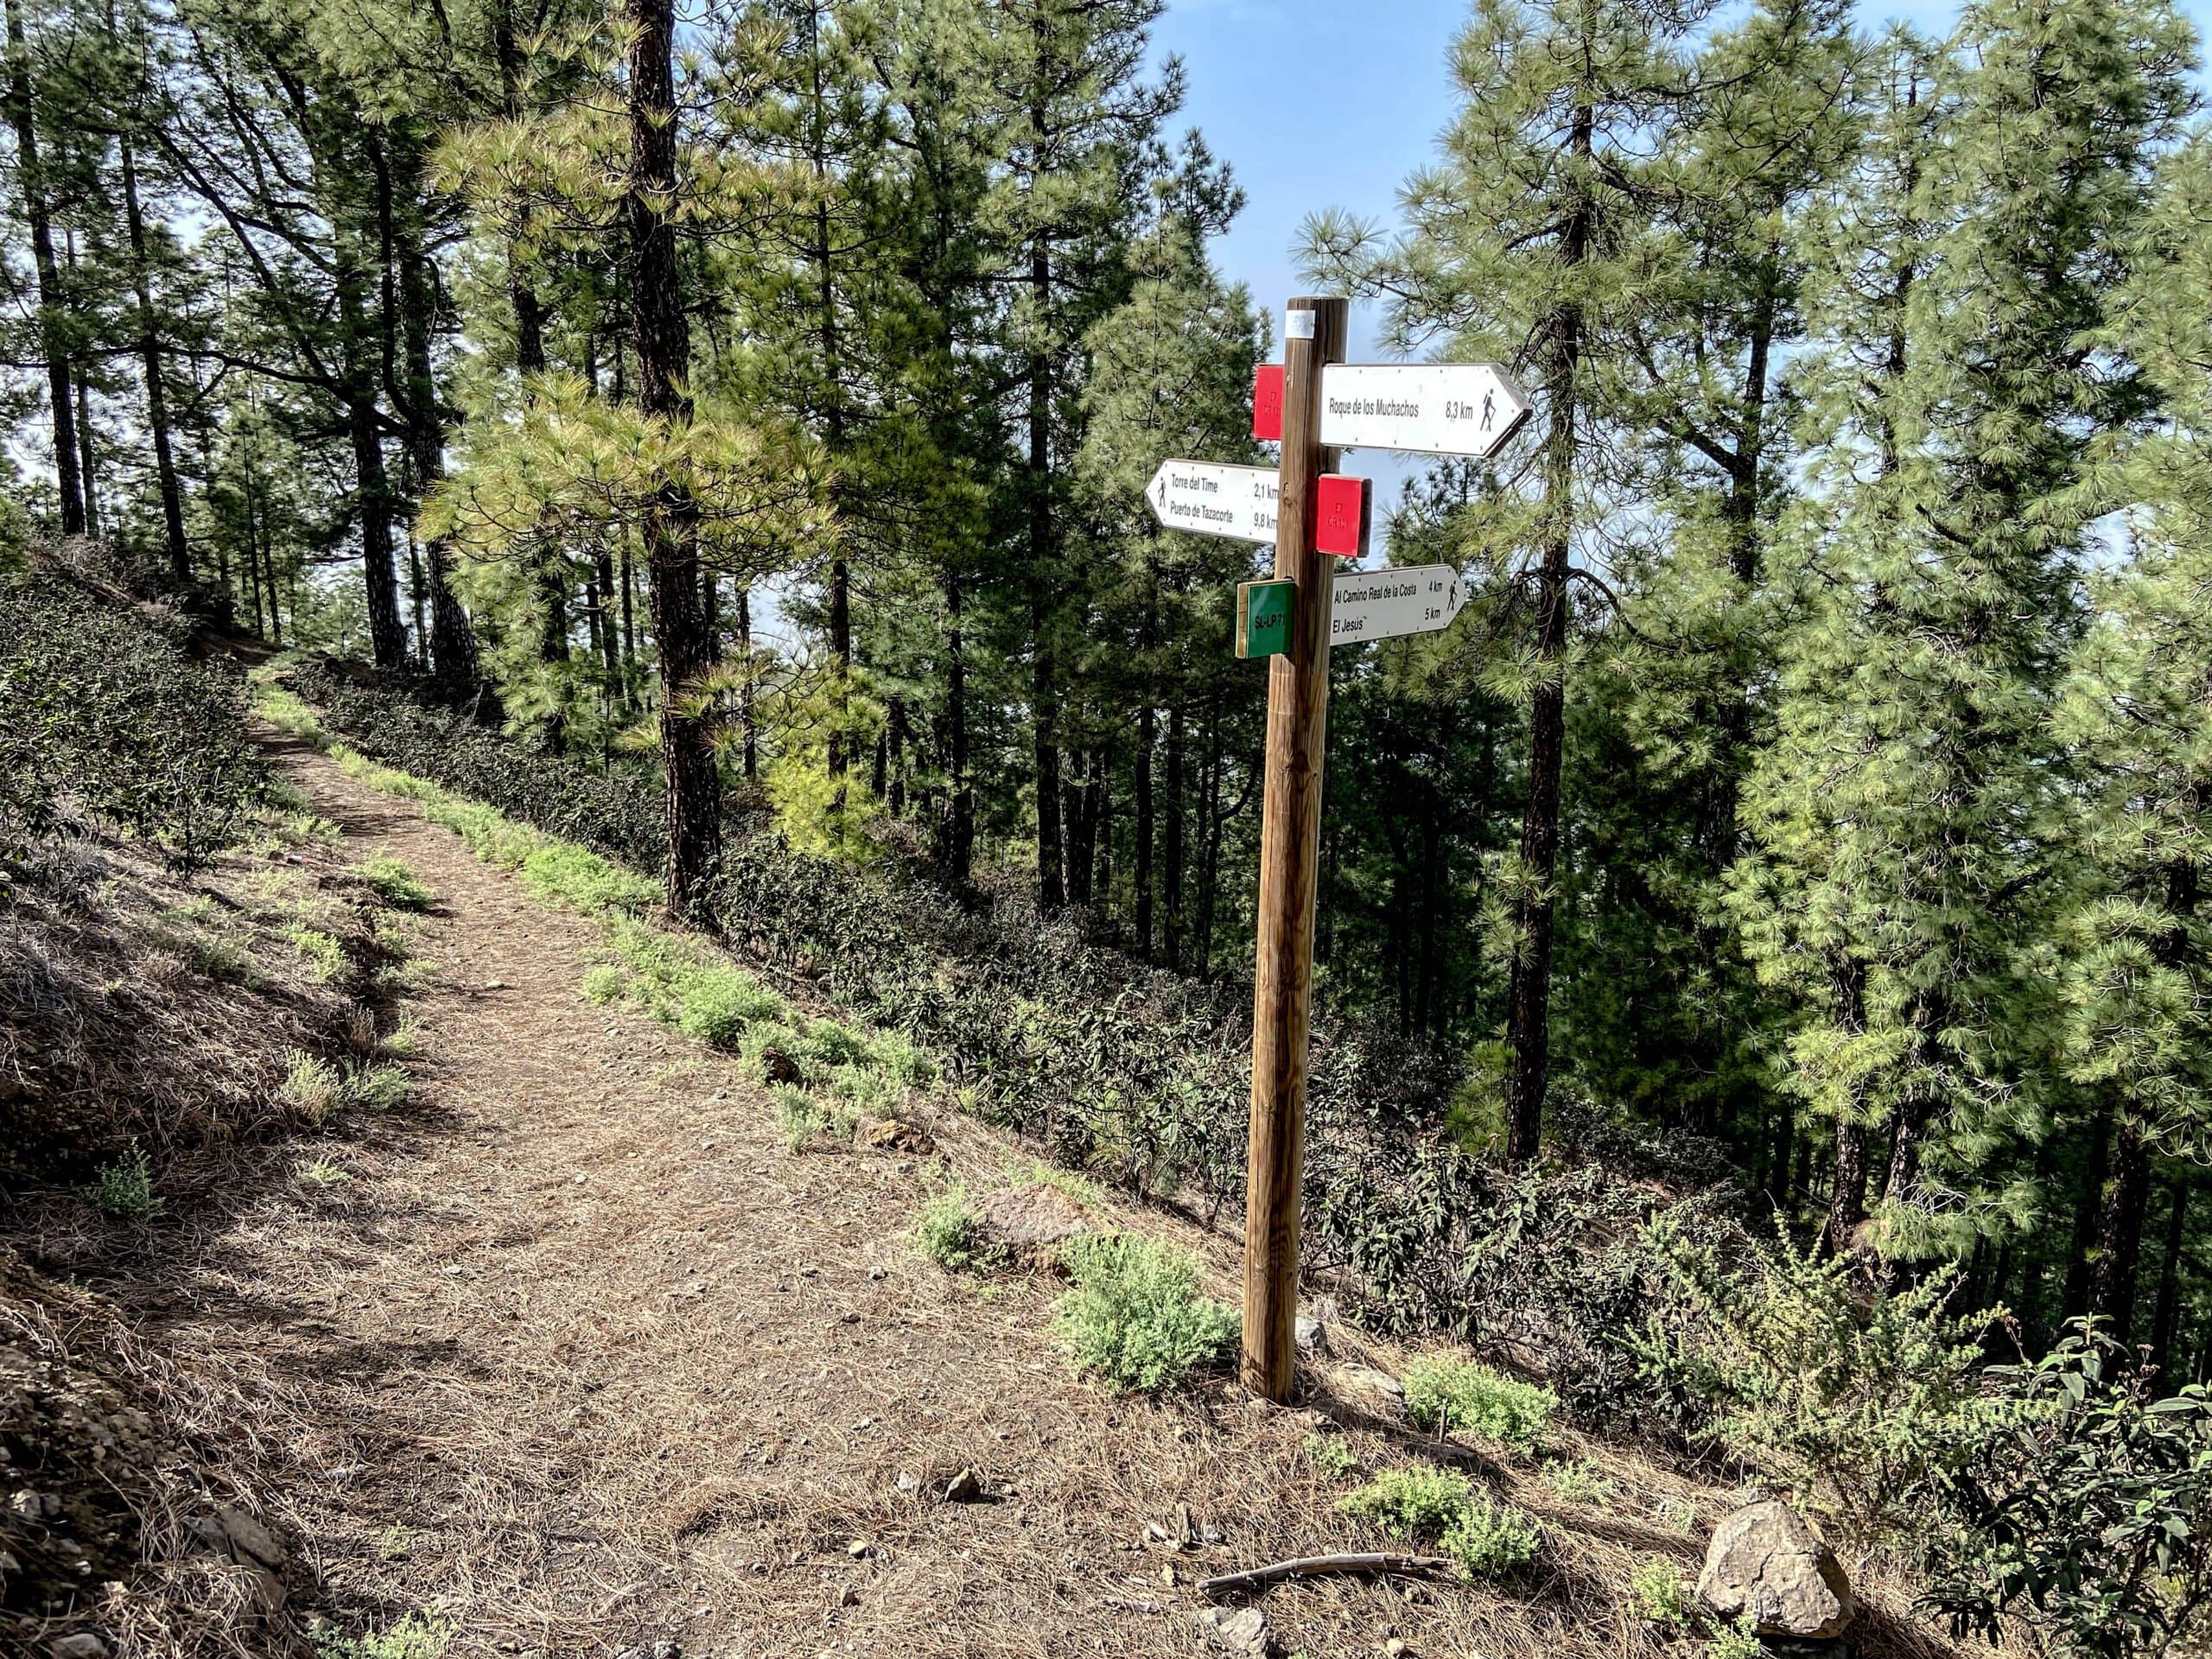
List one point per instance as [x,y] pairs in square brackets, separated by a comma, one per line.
[1171,861]
[2089,1211]
[2167,1310]
[2120,1230]
[1529,997]
[149,357]
[956,844]
[54,344]
[661,335]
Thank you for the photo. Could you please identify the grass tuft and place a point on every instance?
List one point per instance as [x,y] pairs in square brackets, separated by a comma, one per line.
[324,956]
[1135,1315]
[1329,1457]
[1578,1483]
[378,1088]
[418,1636]
[321,1172]
[311,1087]
[397,885]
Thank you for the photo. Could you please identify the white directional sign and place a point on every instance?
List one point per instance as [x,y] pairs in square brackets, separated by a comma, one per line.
[1213,499]
[1433,409]
[1383,604]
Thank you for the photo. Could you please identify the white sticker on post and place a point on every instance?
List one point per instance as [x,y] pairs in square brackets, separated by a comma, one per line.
[1298,325]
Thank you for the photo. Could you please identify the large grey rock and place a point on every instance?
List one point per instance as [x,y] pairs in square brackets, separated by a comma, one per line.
[1244,1630]
[1765,1559]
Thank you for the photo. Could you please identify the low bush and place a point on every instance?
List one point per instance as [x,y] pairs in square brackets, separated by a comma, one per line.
[949,1236]
[124,1189]
[1578,1483]
[1854,1401]
[377,1088]
[2084,1510]
[1448,1395]
[1329,1457]
[103,711]
[1411,1503]
[312,1087]
[418,1636]
[324,956]
[1134,1314]
[1659,1595]
[805,1121]
[1490,1539]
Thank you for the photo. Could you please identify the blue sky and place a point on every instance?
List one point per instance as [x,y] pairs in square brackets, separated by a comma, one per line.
[1318,102]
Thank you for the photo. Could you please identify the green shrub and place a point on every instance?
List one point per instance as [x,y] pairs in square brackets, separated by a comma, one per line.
[805,1120]
[873,1093]
[312,1087]
[378,1088]
[1660,1596]
[224,959]
[2084,1510]
[392,882]
[948,1236]
[103,707]
[604,983]
[1411,1503]
[718,1002]
[1329,1457]
[321,1172]
[1134,1313]
[1854,1402]
[834,1045]
[1578,1483]
[403,1042]
[418,1636]
[1738,1640]
[324,956]
[124,1189]
[1448,1395]
[1489,1539]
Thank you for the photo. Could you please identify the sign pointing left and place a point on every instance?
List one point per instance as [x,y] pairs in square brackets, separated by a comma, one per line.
[1214,500]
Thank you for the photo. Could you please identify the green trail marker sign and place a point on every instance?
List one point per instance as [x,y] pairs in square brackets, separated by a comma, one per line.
[1264,610]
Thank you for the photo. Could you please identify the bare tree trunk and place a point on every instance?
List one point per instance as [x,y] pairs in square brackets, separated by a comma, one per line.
[2119,1229]
[661,335]
[53,336]
[149,357]
[1528,999]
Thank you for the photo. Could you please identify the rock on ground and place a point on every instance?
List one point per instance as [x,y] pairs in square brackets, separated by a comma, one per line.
[1764,1558]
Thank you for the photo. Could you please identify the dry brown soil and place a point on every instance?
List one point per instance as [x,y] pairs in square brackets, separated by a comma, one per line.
[584,1356]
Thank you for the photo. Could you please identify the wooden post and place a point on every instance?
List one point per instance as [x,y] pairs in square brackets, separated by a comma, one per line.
[1298,711]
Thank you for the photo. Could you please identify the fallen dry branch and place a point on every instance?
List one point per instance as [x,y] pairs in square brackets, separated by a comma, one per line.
[1312,1566]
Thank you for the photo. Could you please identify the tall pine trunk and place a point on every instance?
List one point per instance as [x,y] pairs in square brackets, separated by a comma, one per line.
[53,336]
[2119,1229]
[1528,998]
[661,335]
[149,357]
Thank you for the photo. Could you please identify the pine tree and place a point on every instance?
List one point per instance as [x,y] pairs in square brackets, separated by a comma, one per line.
[1899,874]
[1520,249]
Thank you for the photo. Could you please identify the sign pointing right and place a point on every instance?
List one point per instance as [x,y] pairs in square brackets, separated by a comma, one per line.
[1383,604]
[1434,408]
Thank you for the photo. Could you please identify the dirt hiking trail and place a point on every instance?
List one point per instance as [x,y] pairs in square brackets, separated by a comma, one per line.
[583,1357]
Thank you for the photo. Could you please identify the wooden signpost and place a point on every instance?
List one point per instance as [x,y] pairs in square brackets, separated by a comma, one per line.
[1315,404]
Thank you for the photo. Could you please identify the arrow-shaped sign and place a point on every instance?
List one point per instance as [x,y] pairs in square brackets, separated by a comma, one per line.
[1434,408]
[1382,604]
[1213,499]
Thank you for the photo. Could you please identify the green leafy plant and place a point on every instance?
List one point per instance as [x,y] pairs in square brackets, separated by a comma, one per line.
[718,1002]
[1736,1641]
[1659,1595]
[1852,1401]
[2085,1509]
[321,1172]
[388,875]
[1409,1503]
[1134,1314]
[1578,1483]
[418,1636]
[403,1042]
[604,983]
[1329,1457]
[1490,1538]
[124,1188]
[949,1236]
[1449,1394]
[805,1119]
[324,956]
[378,1088]
[312,1087]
